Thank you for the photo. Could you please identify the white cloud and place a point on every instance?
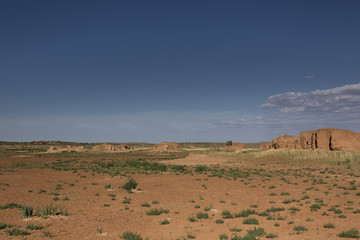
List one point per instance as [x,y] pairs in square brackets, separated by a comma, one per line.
[344,99]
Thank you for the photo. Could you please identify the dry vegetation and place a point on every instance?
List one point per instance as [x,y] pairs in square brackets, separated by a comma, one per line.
[197,193]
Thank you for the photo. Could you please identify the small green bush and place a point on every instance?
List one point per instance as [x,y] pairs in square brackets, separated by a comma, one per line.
[352,233]
[300,228]
[219,221]
[251,221]
[164,222]
[130,185]
[153,212]
[329,225]
[226,214]
[131,236]
[202,215]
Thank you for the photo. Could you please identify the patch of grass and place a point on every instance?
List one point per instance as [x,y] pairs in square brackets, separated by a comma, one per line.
[34,227]
[255,232]
[155,212]
[4,225]
[191,219]
[245,213]
[253,221]
[145,205]
[131,236]
[47,234]
[352,233]
[16,232]
[27,211]
[107,186]
[10,205]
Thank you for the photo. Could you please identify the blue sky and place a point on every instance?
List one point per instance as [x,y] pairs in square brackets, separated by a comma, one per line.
[151,71]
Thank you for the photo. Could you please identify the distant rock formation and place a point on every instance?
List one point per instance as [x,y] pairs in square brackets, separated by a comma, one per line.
[105,147]
[324,139]
[234,146]
[69,148]
[166,147]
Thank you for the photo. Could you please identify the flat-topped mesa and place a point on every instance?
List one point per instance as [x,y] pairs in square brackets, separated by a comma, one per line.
[166,147]
[234,146]
[325,139]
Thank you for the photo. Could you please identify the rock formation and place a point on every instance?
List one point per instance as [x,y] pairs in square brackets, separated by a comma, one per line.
[105,147]
[69,148]
[166,147]
[234,146]
[324,139]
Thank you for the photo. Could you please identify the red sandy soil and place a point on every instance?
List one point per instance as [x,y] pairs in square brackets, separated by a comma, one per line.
[180,194]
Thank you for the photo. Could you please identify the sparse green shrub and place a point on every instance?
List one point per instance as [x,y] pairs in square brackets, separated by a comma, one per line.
[219,221]
[271,235]
[253,221]
[255,232]
[223,236]
[329,225]
[10,205]
[130,185]
[202,215]
[275,209]
[153,212]
[226,214]
[131,236]
[164,222]
[191,219]
[300,228]
[352,233]
[315,207]
[34,227]
[245,213]
[201,168]
[16,232]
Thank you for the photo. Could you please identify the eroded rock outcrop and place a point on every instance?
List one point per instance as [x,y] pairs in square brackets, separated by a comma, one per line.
[166,147]
[105,147]
[324,139]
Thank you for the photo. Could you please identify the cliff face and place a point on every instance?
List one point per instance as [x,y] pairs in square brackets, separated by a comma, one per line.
[324,139]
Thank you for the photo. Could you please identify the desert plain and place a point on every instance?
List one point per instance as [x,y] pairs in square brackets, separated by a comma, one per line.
[63,190]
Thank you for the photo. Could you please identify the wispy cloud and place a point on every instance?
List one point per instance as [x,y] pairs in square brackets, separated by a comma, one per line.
[309,76]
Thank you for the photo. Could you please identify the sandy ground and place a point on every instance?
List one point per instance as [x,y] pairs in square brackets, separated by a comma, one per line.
[91,206]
